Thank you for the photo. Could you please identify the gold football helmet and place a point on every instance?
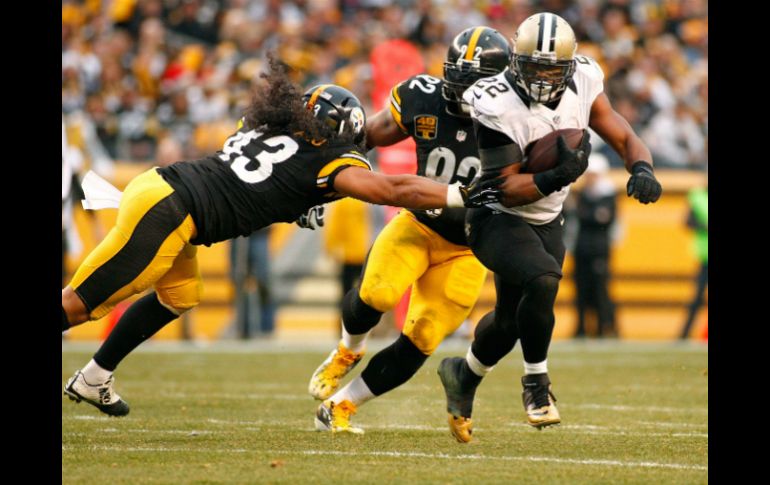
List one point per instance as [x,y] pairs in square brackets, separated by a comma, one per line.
[544,57]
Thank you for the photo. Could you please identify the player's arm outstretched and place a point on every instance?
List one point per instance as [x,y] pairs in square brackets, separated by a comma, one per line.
[616,131]
[409,191]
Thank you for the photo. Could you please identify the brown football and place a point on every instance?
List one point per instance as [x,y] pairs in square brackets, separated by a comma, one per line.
[541,155]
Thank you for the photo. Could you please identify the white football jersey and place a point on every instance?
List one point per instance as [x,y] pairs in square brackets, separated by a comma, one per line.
[495,104]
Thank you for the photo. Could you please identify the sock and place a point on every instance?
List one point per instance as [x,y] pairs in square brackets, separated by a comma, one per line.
[356,391]
[536,368]
[475,365]
[354,343]
[393,366]
[140,322]
[65,324]
[94,373]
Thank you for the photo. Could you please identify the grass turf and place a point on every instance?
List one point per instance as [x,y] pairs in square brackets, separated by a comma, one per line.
[631,413]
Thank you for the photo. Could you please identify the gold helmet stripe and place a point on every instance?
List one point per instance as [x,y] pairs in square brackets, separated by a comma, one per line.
[313,97]
[472,43]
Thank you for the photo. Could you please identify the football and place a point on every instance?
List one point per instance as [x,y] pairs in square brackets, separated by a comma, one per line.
[541,155]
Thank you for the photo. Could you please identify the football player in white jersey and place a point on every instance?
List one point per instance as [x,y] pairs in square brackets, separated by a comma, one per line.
[546,88]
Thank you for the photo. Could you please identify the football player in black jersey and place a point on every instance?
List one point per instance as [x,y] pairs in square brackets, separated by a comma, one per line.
[290,153]
[423,248]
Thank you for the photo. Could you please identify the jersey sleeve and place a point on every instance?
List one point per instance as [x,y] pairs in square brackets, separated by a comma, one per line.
[411,98]
[484,111]
[327,174]
[396,107]
[590,78]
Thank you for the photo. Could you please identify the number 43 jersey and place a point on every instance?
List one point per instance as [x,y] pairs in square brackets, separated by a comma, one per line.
[446,146]
[256,180]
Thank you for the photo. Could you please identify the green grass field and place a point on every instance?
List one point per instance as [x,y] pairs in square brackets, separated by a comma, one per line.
[631,413]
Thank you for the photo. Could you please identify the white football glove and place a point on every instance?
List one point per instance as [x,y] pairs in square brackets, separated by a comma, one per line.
[313,218]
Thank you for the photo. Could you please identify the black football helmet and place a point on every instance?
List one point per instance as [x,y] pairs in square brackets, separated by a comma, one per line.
[338,108]
[474,53]
[544,57]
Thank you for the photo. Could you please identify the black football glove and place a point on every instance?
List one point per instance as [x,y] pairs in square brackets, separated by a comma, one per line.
[313,218]
[482,192]
[642,184]
[570,165]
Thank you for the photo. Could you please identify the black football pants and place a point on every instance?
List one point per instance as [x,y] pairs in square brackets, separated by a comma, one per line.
[527,261]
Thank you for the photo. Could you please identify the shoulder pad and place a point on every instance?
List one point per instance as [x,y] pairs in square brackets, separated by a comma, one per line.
[588,67]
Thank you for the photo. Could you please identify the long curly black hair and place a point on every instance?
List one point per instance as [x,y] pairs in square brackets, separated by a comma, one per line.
[277,108]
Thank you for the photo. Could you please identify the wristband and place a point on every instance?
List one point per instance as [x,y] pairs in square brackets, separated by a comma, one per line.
[547,182]
[453,196]
[641,166]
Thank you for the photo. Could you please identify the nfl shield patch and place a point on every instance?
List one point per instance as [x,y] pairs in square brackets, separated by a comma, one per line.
[461,135]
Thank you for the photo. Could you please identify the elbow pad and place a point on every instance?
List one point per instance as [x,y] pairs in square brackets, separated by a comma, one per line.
[495,159]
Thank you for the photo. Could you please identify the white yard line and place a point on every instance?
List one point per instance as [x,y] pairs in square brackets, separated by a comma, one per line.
[661,409]
[668,424]
[400,454]
[323,345]
[302,426]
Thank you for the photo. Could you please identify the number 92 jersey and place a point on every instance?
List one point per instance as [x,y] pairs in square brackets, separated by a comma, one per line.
[256,180]
[446,146]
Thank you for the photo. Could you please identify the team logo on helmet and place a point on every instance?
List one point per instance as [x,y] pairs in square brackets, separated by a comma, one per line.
[357,119]
[336,107]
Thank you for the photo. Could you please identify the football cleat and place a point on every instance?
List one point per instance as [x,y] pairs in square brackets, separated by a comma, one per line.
[326,379]
[539,401]
[461,428]
[460,391]
[335,417]
[100,395]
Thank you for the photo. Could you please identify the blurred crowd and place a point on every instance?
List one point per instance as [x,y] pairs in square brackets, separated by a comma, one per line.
[142,79]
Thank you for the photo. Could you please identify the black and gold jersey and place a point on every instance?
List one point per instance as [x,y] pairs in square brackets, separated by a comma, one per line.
[446,146]
[256,180]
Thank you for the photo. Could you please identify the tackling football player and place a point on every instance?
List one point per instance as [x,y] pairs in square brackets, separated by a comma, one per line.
[291,152]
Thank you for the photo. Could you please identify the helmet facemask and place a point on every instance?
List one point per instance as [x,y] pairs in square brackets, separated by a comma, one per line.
[542,79]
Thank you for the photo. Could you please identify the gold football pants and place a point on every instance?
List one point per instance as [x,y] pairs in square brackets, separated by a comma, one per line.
[149,245]
[447,279]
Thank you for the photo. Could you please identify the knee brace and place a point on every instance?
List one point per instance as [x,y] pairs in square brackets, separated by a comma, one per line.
[357,316]
[393,366]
